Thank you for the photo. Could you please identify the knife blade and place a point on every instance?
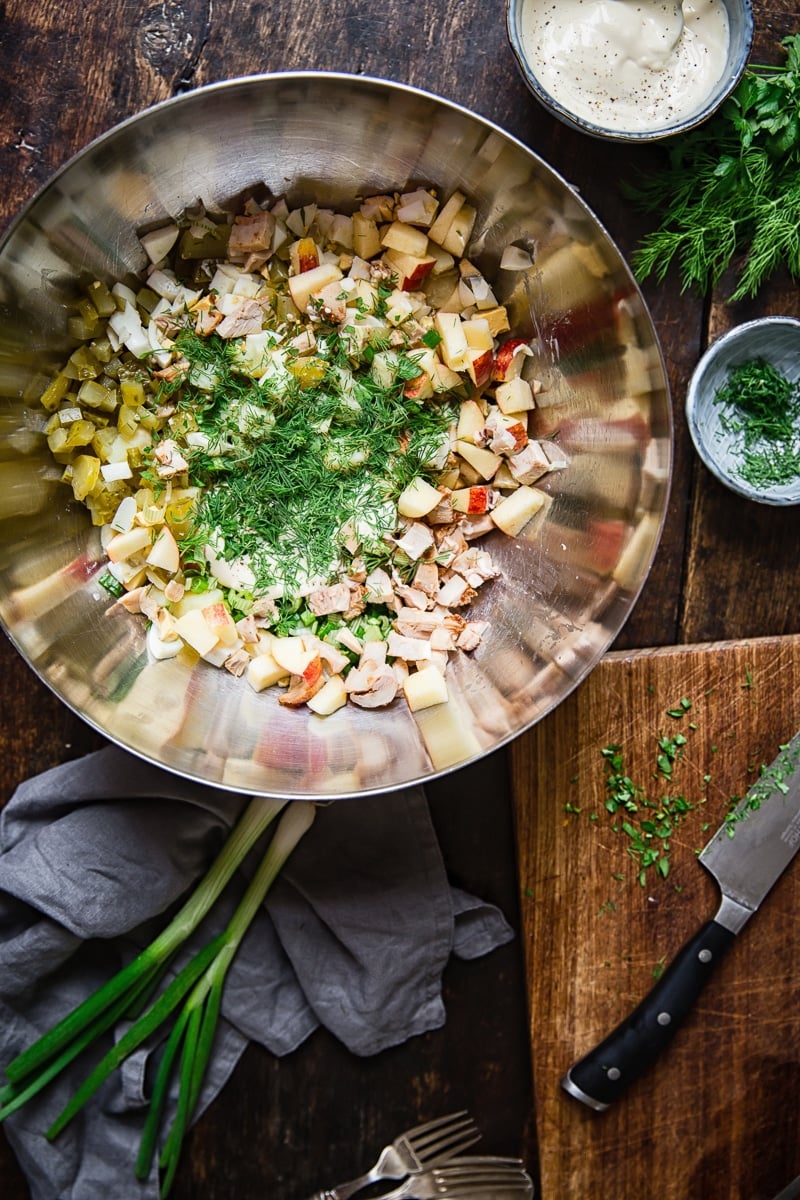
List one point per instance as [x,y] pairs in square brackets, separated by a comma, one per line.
[749,852]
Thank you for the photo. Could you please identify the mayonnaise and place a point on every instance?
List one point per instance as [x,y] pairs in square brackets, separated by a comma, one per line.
[627,64]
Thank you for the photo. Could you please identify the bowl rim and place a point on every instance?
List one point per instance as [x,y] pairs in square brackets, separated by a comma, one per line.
[695,397]
[602,132]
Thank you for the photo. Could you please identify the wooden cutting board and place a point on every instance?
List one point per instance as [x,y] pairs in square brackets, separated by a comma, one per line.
[718,1118]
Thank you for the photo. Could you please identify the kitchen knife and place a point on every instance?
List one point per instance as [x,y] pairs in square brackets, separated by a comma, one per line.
[746,855]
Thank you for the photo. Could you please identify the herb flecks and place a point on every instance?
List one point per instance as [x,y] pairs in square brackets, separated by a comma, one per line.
[648,822]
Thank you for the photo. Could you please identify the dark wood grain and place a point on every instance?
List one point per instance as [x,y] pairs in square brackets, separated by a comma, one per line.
[723,569]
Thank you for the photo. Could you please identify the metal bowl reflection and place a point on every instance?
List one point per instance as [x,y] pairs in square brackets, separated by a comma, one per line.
[569,581]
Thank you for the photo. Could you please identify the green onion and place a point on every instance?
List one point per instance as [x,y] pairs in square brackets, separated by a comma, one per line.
[195,992]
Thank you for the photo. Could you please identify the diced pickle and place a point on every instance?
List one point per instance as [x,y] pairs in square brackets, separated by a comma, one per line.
[127,419]
[132,392]
[57,440]
[147,299]
[80,433]
[204,241]
[85,474]
[96,395]
[85,363]
[103,440]
[80,328]
[55,392]
[101,348]
[101,298]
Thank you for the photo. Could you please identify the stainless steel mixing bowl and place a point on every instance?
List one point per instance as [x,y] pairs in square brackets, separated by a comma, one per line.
[568,581]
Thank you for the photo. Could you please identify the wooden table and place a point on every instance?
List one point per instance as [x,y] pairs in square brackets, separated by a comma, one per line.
[725,569]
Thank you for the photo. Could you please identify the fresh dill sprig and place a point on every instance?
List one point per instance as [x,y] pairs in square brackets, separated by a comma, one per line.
[760,407]
[730,188]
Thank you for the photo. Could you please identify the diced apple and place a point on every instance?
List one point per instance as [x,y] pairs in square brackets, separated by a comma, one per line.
[165,553]
[366,238]
[124,545]
[510,358]
[457,237]
[425,688]
[411,270]
[485,462]
[473,500]
[195,631]
[515,396]
[406,239]
[329,698]
[504,479]
[440,226]
[479,366]
[302,287]
[514,512]
[264,672]
[219,620]
[418,499]
[292,654]
[471,421]
[453,347]
[304,255]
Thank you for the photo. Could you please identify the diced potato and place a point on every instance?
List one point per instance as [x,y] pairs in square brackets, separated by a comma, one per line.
[303,286]
[123,545]
[366,238]
[165,553]
[418,498]
[453,346]
[458,234]
[192,600]
[515,396]
[195,631]
[485,462]
[292,654]
[440,226]
[425,688]
[331,696]
[514,512]
[263,672]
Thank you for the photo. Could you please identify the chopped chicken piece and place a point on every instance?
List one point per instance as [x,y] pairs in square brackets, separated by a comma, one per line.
[379,587]
[169,458]
[384,687]
[238,662]
[411,649]
[251,234]
[333,658]
[529,464]
[248,630]
[426,579]
[130,602]
[455,592]
[476,525]
[470,637]
[332,599]
[415,540]
[248,317]
[475,565]
[412,596]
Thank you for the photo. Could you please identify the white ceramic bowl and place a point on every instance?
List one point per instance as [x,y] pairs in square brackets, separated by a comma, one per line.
[740,19]
[777,341]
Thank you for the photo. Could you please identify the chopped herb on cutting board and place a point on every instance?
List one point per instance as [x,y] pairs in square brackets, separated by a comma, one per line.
[732,188]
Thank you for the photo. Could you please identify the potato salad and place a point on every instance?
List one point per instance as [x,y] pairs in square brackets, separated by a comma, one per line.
[293,433]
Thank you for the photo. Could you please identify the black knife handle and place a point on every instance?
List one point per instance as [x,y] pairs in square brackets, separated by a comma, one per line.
[603,1074]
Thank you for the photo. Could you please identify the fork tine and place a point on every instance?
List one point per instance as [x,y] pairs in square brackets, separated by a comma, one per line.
[436,1123]
[449,1139]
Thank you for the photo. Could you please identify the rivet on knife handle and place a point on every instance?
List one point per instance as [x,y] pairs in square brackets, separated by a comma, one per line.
[603,1074]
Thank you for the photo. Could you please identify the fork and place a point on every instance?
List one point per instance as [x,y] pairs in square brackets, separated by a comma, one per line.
[470,1177]
[424,1146]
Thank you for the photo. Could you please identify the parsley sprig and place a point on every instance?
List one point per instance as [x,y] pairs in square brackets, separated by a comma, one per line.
[731,188]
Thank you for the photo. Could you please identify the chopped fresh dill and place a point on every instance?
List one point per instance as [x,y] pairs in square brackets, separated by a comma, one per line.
[760,407]
[290,470]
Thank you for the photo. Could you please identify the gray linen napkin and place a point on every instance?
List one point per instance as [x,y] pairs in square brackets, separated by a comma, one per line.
[94,856]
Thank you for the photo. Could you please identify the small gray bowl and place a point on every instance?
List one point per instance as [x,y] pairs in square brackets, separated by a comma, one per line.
[740,19]
[777,341]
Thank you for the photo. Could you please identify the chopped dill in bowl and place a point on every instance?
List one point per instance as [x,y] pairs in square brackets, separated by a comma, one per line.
[761,408]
